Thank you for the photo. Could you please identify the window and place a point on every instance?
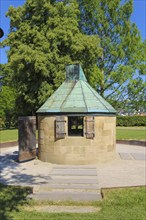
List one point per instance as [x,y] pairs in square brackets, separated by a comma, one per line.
[75,126]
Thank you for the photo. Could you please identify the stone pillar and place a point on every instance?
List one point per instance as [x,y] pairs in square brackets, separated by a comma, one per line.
[27,138]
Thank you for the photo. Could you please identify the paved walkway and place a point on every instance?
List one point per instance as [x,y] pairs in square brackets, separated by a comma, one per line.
[128,169]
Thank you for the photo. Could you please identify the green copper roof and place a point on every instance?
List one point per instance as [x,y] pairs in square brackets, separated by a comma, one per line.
[75,95]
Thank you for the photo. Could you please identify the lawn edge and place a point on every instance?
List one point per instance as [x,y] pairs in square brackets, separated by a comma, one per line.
[132,142]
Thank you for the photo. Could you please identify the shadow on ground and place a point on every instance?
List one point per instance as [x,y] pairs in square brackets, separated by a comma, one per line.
[13,173]
[11,199]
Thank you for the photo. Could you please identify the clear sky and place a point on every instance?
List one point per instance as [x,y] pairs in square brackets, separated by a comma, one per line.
[138,17]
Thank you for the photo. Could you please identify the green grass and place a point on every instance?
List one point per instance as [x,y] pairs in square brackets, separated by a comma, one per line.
[8,135]
[122,133]
[118,204]
[131,133]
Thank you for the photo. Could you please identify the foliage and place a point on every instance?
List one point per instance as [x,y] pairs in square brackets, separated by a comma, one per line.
[130,106]
[118,73]
[119,204]
[137,93]
[8,116]
[131,120]
[10,198]
[44,37]
[7,107]
[48,34]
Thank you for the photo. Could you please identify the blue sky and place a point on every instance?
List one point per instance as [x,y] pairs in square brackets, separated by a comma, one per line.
[138,17]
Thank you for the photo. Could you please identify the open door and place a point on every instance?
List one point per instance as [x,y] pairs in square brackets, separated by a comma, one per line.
[27,138]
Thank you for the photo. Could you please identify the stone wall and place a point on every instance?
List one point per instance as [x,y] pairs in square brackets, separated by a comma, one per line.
[77,149]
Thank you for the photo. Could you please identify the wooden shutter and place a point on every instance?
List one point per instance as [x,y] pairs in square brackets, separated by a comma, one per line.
[60,127]
[90,127]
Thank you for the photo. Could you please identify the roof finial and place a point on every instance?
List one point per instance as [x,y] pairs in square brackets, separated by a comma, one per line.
[74,72]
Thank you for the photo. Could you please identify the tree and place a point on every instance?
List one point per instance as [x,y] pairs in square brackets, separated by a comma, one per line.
[44,37]
[7,110]
[7,100]
[123,60]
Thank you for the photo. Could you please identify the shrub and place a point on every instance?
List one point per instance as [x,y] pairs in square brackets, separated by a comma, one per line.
[131,121]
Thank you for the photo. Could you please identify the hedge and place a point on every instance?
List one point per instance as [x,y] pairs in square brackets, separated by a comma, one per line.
[131,121]
[8,123]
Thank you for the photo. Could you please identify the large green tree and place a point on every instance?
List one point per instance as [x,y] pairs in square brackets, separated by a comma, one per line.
[119,72]
[44,37]
[7,100]
[7,107]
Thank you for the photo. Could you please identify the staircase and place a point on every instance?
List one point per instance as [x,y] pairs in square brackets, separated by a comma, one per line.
[72,183]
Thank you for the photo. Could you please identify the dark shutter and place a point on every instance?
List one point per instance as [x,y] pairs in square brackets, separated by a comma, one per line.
[90,128]
[60,127]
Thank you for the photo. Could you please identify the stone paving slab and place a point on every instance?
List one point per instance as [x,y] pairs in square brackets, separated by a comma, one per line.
[132,156]
[65,190]
[139,156]
[74,181]
[63,209]
[66,196]
[69,186]
[74,172]
[75,167]
[125,156]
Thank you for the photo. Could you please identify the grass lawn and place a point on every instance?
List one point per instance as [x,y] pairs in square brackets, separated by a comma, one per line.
[8,135]
[131,133]
[122,133]
[118,204]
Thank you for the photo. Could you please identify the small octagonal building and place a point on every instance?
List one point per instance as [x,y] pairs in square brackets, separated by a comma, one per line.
[76,125]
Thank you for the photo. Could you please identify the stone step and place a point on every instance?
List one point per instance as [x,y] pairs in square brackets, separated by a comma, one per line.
[41,190]
[69,196]
[66,187]
[55,177]
[77,183]
[75,167]
[72,186]
[74,172]
[73,181]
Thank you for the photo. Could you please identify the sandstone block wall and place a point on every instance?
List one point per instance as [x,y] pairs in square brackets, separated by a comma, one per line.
[77,149]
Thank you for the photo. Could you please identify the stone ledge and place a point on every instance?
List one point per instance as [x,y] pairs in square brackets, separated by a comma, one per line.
[9,144]
[132,142]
